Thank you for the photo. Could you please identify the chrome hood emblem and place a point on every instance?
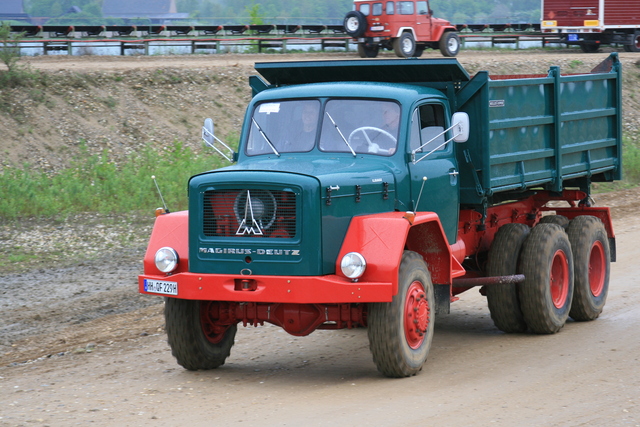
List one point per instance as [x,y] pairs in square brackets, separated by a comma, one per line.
[249,224]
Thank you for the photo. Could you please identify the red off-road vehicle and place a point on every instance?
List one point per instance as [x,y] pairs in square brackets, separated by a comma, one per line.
[407,27]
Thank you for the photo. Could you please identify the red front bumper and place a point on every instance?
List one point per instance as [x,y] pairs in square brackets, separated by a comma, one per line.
[330,289]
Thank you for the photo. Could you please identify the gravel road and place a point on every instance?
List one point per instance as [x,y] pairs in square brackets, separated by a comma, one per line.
[79,346]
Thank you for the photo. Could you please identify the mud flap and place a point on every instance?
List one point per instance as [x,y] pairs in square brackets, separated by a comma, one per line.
[442,295]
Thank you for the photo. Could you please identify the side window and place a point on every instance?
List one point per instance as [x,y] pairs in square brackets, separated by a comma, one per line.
[390,8]
[427,126]
[422,8]
[377,9]
[365,9]
[405,7]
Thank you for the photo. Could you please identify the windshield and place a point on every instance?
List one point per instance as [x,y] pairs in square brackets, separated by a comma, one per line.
[340,126]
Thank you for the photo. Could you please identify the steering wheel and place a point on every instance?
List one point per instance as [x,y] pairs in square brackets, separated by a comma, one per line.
[373,147]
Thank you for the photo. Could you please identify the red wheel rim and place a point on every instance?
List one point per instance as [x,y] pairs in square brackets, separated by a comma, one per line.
[416,315]
[559,283]
[212,329]
[597,268]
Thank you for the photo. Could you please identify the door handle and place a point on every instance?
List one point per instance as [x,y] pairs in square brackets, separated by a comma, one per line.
[453,176]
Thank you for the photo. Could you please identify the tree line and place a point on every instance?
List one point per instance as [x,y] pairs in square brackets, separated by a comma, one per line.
[221,12]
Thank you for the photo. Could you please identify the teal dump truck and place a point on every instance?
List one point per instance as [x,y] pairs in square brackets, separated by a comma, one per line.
[371,193]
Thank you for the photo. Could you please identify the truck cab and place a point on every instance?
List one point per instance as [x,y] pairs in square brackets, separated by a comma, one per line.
[406,27]
[318,155]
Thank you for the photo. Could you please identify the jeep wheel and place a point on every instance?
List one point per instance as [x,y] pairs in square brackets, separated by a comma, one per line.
[450,44]
[591,263]
[546,293]
[400,332]
[355,23]
[368,50]
[405,45]
[197,340]
[634,45]
[589,47]
[502,299]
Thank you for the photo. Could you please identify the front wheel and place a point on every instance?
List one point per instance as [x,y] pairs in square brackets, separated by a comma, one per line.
[197,336]
[591,258]
[546,293]
[404,46]
[450,44]
[400,332]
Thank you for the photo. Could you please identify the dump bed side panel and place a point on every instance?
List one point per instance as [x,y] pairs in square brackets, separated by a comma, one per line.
[540,132]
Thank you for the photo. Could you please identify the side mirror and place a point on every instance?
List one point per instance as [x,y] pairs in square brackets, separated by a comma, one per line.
[460,125]
[207,132]
[209,138]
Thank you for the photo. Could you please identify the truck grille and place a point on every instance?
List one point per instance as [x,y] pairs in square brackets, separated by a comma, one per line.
[249,213]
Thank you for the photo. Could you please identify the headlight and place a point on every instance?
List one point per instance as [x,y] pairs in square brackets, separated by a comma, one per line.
[166,259]
[353,265]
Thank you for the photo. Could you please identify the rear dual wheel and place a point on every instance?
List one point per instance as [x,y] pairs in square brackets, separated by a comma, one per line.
[400,332]
[547,291]
[591,257]
[634,45]
[503,300]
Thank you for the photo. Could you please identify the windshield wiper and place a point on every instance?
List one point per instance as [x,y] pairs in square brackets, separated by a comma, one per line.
[264,135]
[343,138]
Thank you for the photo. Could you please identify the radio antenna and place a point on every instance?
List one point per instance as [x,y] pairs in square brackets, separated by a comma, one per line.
[153,177]
[411,215]
[424,179]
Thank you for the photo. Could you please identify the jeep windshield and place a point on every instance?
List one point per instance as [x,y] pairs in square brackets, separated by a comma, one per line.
[354,126]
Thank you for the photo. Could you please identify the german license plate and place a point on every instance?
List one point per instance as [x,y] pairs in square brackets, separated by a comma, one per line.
[160,287]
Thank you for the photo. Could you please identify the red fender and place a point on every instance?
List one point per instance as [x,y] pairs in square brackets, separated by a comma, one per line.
[169,230]
[382,238]
[438,32]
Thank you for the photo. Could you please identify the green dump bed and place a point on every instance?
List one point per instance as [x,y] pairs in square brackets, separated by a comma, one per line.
[553,131]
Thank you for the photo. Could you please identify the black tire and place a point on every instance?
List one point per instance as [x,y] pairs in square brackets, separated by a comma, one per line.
[399,348]
[366,50]
[405,45]
[192,346]
[560,220]
[591,267]
[546,293]
[635,43]
[589,47]
[355,23]
[503,300]
[450,44]
[419,50]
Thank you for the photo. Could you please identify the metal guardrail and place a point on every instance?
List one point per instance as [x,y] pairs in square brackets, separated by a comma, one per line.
[221,38]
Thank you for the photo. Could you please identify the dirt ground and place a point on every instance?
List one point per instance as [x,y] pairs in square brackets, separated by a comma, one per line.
[79,346]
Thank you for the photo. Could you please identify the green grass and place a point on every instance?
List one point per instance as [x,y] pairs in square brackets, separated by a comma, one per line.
[94,184]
